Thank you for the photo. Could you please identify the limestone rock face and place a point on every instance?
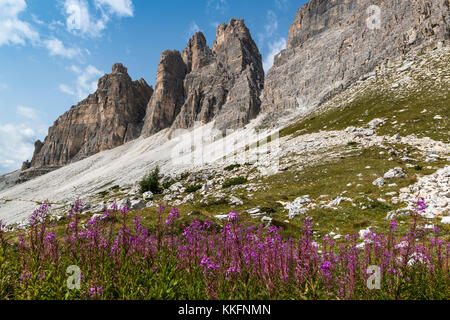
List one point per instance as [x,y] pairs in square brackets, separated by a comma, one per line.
[333,44]
[108,118]
[222,83]
[168,97]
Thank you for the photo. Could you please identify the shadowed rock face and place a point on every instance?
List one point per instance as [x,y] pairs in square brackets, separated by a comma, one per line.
[168,97]
[330,47]
[108,118]
[221,84]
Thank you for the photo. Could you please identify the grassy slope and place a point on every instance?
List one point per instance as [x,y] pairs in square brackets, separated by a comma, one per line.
[429,89]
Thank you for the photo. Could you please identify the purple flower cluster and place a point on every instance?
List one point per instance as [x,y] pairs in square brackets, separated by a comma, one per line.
[218,258]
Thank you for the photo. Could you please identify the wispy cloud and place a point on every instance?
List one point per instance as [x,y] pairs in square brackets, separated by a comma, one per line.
[86,82]
[282,5]
[274,48]
[214,24]
[217,5]
[17,140]
[193,28]
[57,48]
[81,20]
[122,8]
[27,112]
[270,28]
[66,89]
[12,29]
[16,145]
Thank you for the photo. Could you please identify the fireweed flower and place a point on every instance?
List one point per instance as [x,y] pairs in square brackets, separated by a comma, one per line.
[173,215]
[219,255]
[96,292]
[114,206]
[420,205]
[50,237]
[233,216]
[393,225]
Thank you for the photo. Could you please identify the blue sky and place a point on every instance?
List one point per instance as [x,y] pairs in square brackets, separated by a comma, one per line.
[52,52]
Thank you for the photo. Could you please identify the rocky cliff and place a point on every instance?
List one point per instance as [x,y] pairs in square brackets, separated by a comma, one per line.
[222,83]
[108,118]
[332,44]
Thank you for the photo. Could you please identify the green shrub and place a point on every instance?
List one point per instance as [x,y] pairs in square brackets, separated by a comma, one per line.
[232,167]
[352,143]
[151,182]
[168,184]
[193,188]
[418,168]
[103,194]
[234,182]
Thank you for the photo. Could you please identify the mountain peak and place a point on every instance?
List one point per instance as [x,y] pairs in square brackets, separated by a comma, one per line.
[119,68]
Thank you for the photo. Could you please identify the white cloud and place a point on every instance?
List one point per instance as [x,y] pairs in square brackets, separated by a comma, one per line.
[27,112]
[66,89]
[12,29]
[85,83]
[123,8]
[36,19]
[57,48]
[193,28]
[54,25]
[17,144]
[214,24]
[282,4]
[80,21]
[270,28]
[217,5]
[274,48]
[272,23]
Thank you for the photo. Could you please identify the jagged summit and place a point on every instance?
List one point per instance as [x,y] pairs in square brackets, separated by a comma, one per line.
[222,83]
[119,68]
[104,120]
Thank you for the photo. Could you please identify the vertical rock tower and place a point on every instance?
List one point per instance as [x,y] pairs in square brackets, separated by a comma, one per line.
[108,118]
[222,83]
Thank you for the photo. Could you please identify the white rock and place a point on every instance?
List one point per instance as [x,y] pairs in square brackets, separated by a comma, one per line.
[124,202]
[362,233]
[376,122]
[175,187]
[234,201]
[253,211]
[137,205]
[150,204]
[336,202]
[379,182]
[147,195]
[397,172]
[266,219]
[221,217]
[445,220]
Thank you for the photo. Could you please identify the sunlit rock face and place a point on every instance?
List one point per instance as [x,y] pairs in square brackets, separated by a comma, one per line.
[108,118]
[222,83]
[333,43]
